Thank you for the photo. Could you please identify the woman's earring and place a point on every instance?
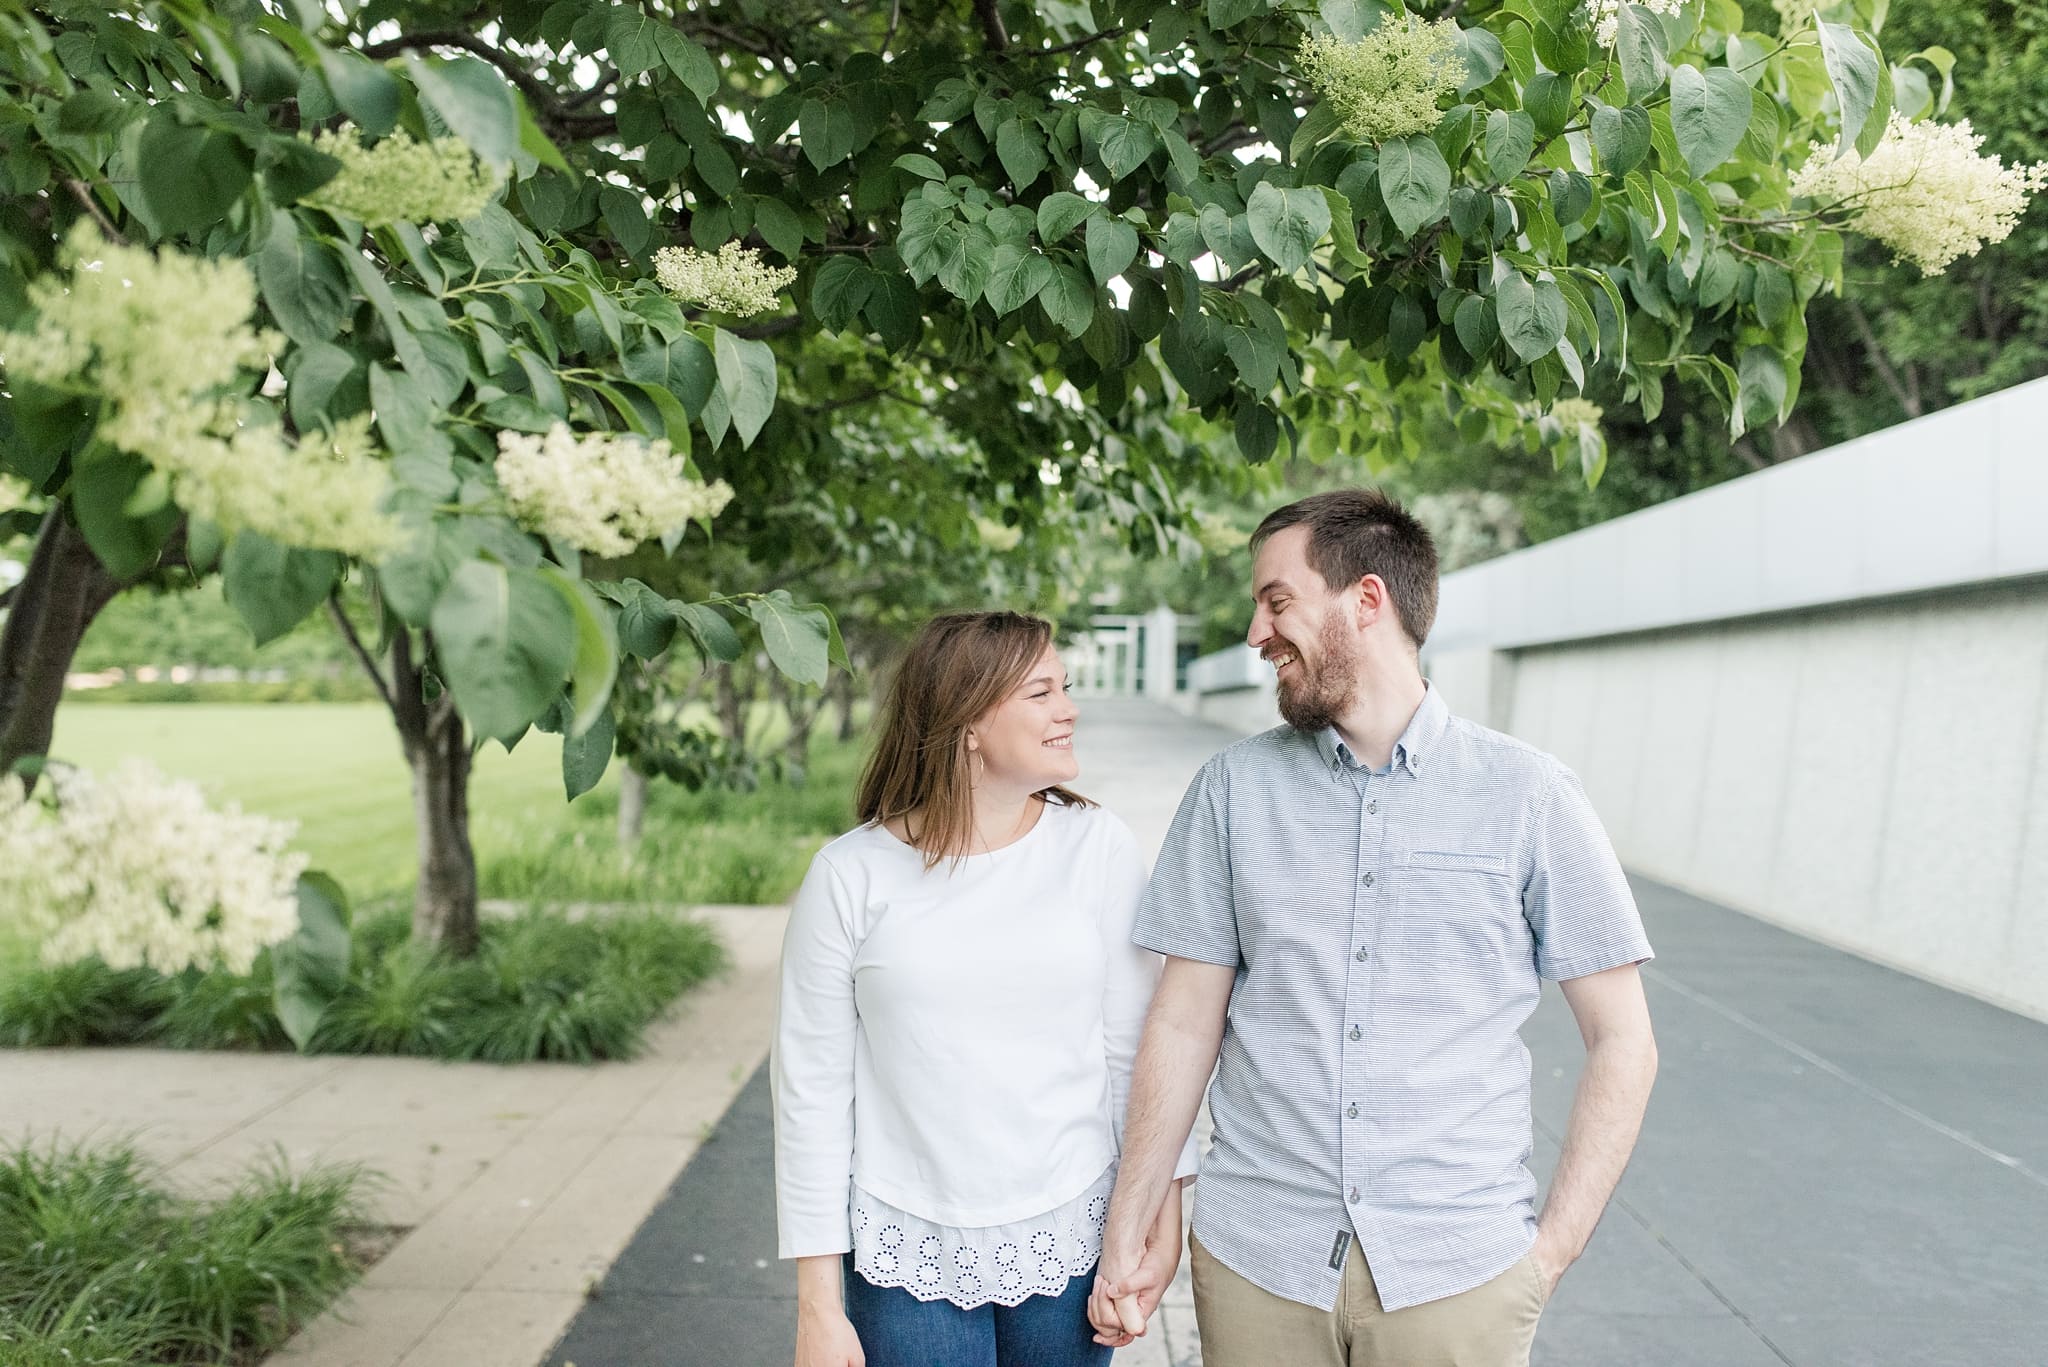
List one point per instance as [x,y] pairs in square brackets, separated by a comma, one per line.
[974,757]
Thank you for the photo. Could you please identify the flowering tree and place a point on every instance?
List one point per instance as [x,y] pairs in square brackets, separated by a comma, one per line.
[403,289]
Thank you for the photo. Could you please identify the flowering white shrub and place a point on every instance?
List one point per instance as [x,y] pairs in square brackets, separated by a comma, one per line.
[139,870]
[736,280]
[1470,525]
[605,492]
[403,180]
[1605,16]
[1571,412]
[158,337]
[1386,85]
[1925,191]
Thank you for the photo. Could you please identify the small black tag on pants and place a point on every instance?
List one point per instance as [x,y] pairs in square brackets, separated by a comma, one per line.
[1339,1249]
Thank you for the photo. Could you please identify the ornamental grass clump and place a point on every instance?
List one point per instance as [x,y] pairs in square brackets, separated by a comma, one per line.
[735,280]
[138,871]
[101,1263]
[1925,191]
[1386,84]
[165,345]
[402,180]
[603,492]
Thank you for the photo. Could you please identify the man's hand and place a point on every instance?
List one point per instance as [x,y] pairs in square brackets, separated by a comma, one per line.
[1551,1262]
[1121,1307]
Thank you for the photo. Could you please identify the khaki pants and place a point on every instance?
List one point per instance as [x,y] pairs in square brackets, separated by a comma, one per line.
[1492,1325]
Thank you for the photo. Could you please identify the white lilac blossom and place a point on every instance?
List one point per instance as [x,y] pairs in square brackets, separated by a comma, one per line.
[1387,84]
[1605,16]
[604,492]
[1470,525]
[138,870]
[403,180]
[162,339]
[1925,191]
[735,280]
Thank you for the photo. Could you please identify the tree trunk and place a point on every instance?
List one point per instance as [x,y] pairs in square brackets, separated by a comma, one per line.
[632,806]
[842,697]
[731,706]
[64,589]
[436,744]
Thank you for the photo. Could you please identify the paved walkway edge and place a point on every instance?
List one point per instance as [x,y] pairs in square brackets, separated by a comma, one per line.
[494,1273]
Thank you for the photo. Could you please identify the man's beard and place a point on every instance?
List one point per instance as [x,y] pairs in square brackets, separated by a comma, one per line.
[1315,701]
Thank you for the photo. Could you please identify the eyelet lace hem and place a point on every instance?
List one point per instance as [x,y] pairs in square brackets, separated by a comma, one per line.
[997,1264]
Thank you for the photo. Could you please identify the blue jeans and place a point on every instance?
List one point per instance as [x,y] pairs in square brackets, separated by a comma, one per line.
[898,1330]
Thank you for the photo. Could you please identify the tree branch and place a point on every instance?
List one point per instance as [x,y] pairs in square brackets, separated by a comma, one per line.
[1113,31]
[1907,401]
[83,194]
[355,643]
[546,103]
[992,25]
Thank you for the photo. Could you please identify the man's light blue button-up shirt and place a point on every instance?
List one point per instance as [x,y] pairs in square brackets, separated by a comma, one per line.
[1390,930]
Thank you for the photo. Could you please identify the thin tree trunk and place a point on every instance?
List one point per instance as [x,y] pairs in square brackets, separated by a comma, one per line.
[731,706]
[436,744]
[632,806]
[842,697]
[64,589]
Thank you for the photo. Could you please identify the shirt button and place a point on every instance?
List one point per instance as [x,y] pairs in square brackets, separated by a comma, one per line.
[1372,806]
[1357,1033]
[1353,1198]
[1362,955]
[1365,878]
[1352,1110]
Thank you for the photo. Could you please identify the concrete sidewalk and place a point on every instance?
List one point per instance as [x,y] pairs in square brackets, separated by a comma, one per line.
[1842,1166]
[519,1184]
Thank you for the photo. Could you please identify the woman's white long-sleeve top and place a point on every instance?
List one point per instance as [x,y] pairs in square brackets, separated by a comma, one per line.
[957,1041]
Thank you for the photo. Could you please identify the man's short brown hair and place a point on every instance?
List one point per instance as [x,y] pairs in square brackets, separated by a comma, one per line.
[1356,532]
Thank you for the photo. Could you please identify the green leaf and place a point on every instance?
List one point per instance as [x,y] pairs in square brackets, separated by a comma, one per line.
[1313,130]
[504,641]
[825,132]
[1709,114]
[1774,301]
[1015,277]
[1059,213]
[709,629]
[366,92]
[597,650]
[1351,20]
[920,165]
[473,100]
[1068,300]
[1622,136]
[1548,100]
[1112,245]
[1344,228]
[190,176]
[1021,148]
[839,289]
[1415,181]
[1475,326]
[88,111]
[1287,224]
[1257,431]
[1531,317]
[647,624]
[1483,57]
[746,380]
[101,487]
[1761,386]
[1853,71]
[965,256]
[626,217]
[797,637]
[1225,14]
[303,283]
[273,588]
[1639,42]
[1944,63]
[1719,274]
[1510,138]
[587,754]
[310,969]
[779,227]
[1121,144]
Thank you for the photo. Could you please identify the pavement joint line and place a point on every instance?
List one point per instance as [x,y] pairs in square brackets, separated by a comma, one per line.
[1621,1203]
[1869,1089]
[334,1066]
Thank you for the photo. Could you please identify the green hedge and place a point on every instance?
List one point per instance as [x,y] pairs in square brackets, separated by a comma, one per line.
[314,688]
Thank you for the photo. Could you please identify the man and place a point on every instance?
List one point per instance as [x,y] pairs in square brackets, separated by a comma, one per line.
[1358,909]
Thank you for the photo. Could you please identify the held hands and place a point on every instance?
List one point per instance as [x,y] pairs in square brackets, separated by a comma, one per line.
[1128,1289]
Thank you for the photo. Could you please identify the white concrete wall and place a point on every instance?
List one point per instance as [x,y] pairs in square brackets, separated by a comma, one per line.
[1818,694]
[1876,779]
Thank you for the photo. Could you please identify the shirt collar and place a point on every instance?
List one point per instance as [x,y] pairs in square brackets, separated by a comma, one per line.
[1422,731]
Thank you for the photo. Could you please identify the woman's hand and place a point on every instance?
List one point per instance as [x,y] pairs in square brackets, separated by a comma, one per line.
[1121,1307]
[824,1335]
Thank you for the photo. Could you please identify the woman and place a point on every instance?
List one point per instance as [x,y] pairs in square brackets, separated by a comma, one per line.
[960,1006]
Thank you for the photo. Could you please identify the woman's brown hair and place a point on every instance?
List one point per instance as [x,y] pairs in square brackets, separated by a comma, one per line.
[958,669]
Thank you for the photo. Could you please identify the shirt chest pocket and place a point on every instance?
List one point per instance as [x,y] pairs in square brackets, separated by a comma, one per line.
[1457,904]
